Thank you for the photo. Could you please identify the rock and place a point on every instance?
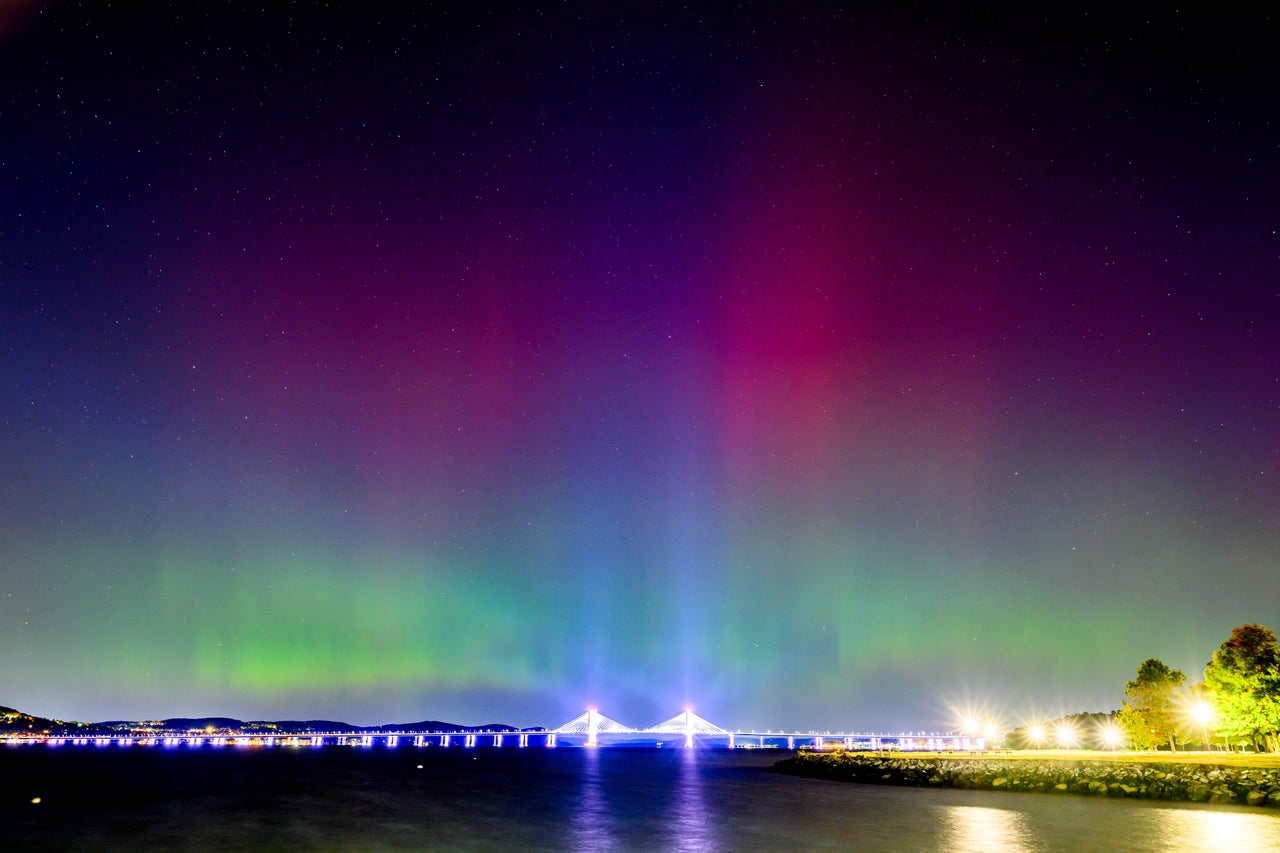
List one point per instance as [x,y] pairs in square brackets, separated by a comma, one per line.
[1255,786]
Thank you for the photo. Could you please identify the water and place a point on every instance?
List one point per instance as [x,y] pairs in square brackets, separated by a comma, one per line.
[541,799]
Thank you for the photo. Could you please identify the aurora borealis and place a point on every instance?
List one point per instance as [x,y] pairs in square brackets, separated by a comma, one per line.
[815,367]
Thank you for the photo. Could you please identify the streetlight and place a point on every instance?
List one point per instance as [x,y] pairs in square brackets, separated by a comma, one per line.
[972,728]
[1202,713]
[1111,736]
[1066,736]
[1036,735]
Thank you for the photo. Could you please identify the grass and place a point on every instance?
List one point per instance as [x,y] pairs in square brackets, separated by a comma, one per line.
[1212,759]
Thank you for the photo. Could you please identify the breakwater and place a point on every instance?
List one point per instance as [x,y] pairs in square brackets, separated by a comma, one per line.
[1197,783]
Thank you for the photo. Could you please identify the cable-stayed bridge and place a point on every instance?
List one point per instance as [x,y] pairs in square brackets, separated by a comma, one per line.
[591,725]
[589,729]
[592,728]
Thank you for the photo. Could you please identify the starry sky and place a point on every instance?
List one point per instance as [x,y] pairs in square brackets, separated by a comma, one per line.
[813,366]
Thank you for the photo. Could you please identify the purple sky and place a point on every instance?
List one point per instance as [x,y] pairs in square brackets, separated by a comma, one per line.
[811,367]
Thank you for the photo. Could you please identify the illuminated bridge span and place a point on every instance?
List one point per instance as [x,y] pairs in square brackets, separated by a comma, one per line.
[595,729]
[590,729]
[686,724]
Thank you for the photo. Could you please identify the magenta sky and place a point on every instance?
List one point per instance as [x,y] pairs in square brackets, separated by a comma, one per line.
[812,367]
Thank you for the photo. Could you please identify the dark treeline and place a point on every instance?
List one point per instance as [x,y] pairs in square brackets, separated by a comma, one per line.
[1235,706]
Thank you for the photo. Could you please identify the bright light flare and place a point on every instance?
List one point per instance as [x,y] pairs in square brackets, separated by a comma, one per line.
[1202,712]
[1111,736]
[1066,736]
[1036,735]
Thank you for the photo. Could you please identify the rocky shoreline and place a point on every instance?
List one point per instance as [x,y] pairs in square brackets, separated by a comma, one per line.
[1196,783]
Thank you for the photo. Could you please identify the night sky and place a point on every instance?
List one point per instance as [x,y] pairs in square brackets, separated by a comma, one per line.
[813,367]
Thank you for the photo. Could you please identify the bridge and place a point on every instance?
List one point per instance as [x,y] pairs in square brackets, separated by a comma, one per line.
[686,725]
[589,729]
[594,729]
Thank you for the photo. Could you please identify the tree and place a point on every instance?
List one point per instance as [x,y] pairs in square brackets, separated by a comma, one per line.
[1198,717]
[1149,716]
[1244,680]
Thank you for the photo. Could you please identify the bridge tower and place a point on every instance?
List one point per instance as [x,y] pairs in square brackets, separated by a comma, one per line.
[592,724]
[688,724]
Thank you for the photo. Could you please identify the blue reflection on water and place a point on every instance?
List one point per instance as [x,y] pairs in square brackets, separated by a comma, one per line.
[591,826]
[693,824]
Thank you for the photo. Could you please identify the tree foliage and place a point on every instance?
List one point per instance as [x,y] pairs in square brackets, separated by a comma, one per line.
[1244,680]
[1150,713]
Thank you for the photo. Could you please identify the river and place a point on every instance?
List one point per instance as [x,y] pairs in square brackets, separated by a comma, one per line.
[411,798]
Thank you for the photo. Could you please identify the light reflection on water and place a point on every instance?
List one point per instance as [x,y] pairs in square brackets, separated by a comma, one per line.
[1210,831]
[693,825]
[973,829]
[606,811]
[591,825]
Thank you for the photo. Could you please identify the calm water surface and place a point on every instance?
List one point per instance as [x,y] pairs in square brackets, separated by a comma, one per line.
[540,799]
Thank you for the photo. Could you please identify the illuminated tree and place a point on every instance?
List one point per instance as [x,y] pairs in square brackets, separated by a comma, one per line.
[1198,715]
[1244,680]
[1149,716]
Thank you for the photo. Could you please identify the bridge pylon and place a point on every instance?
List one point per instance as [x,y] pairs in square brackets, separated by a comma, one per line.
[688,724]
[593,724]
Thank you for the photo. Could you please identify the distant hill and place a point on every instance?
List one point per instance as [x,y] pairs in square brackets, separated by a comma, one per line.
[15,722]
[304,726]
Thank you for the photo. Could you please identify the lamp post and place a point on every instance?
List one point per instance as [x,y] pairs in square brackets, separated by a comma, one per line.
[972,728]
[1203,713]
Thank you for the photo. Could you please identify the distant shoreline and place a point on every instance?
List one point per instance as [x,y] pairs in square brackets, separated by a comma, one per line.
[1232,780]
